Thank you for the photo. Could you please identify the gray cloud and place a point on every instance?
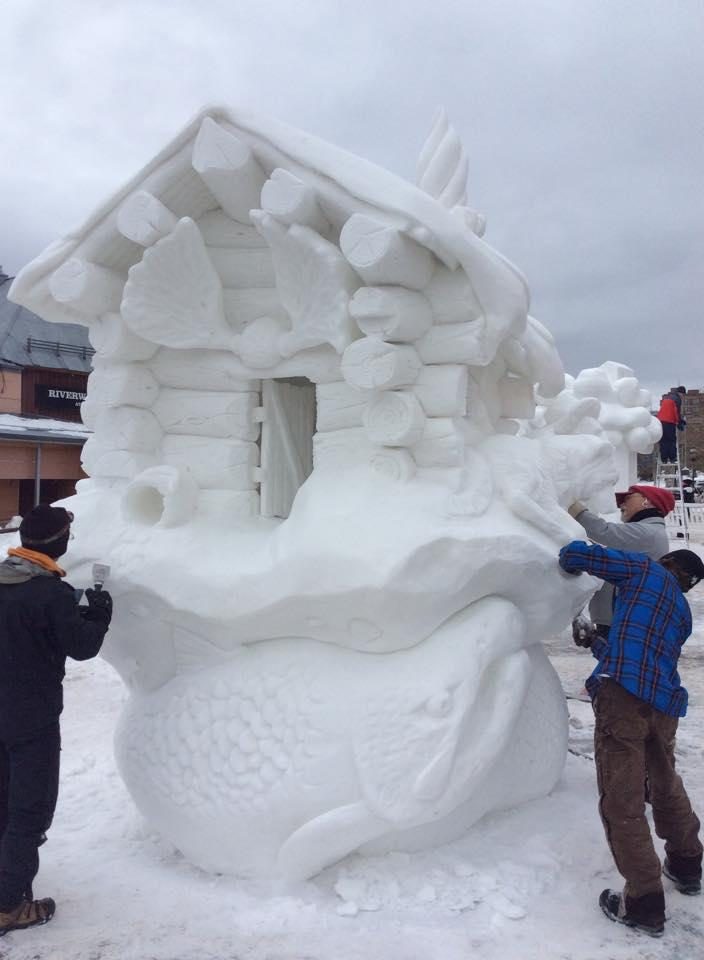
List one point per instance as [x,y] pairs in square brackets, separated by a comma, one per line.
[582,122]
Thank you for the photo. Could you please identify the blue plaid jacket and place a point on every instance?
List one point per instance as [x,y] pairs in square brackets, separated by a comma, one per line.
[651,622]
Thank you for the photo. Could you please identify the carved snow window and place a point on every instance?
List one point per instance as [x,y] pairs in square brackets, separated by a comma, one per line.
[286,442]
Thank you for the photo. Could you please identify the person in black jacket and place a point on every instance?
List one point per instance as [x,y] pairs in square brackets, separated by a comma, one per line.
[41,624]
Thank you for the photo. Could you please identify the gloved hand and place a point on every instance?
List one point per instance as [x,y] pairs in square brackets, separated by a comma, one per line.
[682,424]
[575,509]
[99,606]
[583,631]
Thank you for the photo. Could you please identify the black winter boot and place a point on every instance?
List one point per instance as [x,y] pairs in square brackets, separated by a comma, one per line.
[685,873]
[645,913]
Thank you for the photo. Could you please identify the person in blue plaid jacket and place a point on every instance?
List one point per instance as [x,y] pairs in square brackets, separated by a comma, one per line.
[638,700]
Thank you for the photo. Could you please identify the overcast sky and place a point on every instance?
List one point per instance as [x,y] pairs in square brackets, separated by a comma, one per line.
[583,121]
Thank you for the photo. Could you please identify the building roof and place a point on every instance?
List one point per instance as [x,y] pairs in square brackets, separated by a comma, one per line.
[44,430]
[28,341]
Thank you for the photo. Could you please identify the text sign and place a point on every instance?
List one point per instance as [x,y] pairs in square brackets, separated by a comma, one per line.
[56,397]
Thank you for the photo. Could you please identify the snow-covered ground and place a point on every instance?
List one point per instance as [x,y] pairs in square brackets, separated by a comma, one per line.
[521,885]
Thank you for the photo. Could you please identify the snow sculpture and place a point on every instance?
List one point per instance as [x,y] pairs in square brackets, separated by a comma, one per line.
[331,532]
[605,401]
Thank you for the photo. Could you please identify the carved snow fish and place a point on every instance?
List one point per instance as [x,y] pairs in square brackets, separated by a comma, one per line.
[257,766]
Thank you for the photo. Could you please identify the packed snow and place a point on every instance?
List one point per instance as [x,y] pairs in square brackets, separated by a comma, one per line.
[522,885]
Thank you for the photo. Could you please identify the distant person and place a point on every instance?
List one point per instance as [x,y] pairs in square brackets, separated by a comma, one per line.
[638,698]
[642,530]
[671,419]
[41,624]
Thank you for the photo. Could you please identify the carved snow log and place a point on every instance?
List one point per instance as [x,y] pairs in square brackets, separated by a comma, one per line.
[452,342]
[144,219]
[88,287]
[319,365]
[201,370]
[101,461]
[515,357]
[243,306]
[116,385]
[112,339]
[517,398]
[212,370]
[89,411]
[215,370]
[507,426]
[442,444]
[383,255]
[128,428]
[229,169]
[373,364]
[442,390]
[208,413]
[219,230]
[394,418]
[339,405]
[392,313]
[291,201]
[394,464]
[163,496]
[215,463]
[452,296]
[337,449]
[242,269]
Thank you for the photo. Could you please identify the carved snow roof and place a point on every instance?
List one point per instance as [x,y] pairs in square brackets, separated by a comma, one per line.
[346,183]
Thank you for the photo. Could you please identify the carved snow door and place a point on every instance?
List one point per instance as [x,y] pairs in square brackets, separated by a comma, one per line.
[287,442]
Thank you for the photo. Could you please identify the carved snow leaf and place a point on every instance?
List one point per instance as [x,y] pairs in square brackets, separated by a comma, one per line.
[442,172]
[314,283]
[174,296]
[442,165]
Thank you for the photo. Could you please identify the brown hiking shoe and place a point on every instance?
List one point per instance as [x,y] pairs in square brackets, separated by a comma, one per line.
[28,913]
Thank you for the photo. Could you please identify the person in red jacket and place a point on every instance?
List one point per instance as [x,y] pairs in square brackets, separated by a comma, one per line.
[671,419]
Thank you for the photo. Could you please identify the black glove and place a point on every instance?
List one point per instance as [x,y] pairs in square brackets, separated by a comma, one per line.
[583,632]
[682,424]
[99,606]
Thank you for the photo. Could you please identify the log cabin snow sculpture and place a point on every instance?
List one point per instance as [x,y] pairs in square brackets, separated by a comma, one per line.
[333,556]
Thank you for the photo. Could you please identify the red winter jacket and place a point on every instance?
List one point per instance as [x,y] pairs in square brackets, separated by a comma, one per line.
[669,410]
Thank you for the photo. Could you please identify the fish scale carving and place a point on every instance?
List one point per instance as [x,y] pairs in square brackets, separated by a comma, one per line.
[246,740]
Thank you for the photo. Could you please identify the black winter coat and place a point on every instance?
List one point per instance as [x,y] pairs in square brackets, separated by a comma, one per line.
[40,625]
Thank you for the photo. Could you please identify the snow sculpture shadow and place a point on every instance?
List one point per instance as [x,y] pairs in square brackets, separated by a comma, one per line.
[330,505]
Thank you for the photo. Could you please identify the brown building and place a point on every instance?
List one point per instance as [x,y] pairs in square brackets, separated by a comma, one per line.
[43,372]
[692,437]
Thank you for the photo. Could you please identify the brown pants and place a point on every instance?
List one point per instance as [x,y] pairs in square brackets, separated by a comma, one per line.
[632,742]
